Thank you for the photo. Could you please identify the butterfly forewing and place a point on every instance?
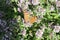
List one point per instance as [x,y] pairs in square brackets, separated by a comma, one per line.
[33,19]
[26,16]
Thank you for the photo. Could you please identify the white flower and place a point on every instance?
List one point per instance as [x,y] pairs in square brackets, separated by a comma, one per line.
[19,4]
[52,8]
[56,0]
[56,29]
[27,24]
[35,2]
[19,10]
[40,12]
[39,33]
[24,6]
[58,3]
[21,1]
[23,32]
[40,9]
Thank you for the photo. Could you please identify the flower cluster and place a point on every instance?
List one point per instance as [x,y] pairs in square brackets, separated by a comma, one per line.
[44,11]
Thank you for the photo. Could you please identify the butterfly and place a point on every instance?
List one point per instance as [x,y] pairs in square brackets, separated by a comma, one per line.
[28,18]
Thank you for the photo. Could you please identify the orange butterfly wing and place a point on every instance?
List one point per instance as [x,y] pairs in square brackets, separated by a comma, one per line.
[33,19]
[26,16]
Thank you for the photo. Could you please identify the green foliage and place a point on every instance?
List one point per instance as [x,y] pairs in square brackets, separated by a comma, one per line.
[11,12]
